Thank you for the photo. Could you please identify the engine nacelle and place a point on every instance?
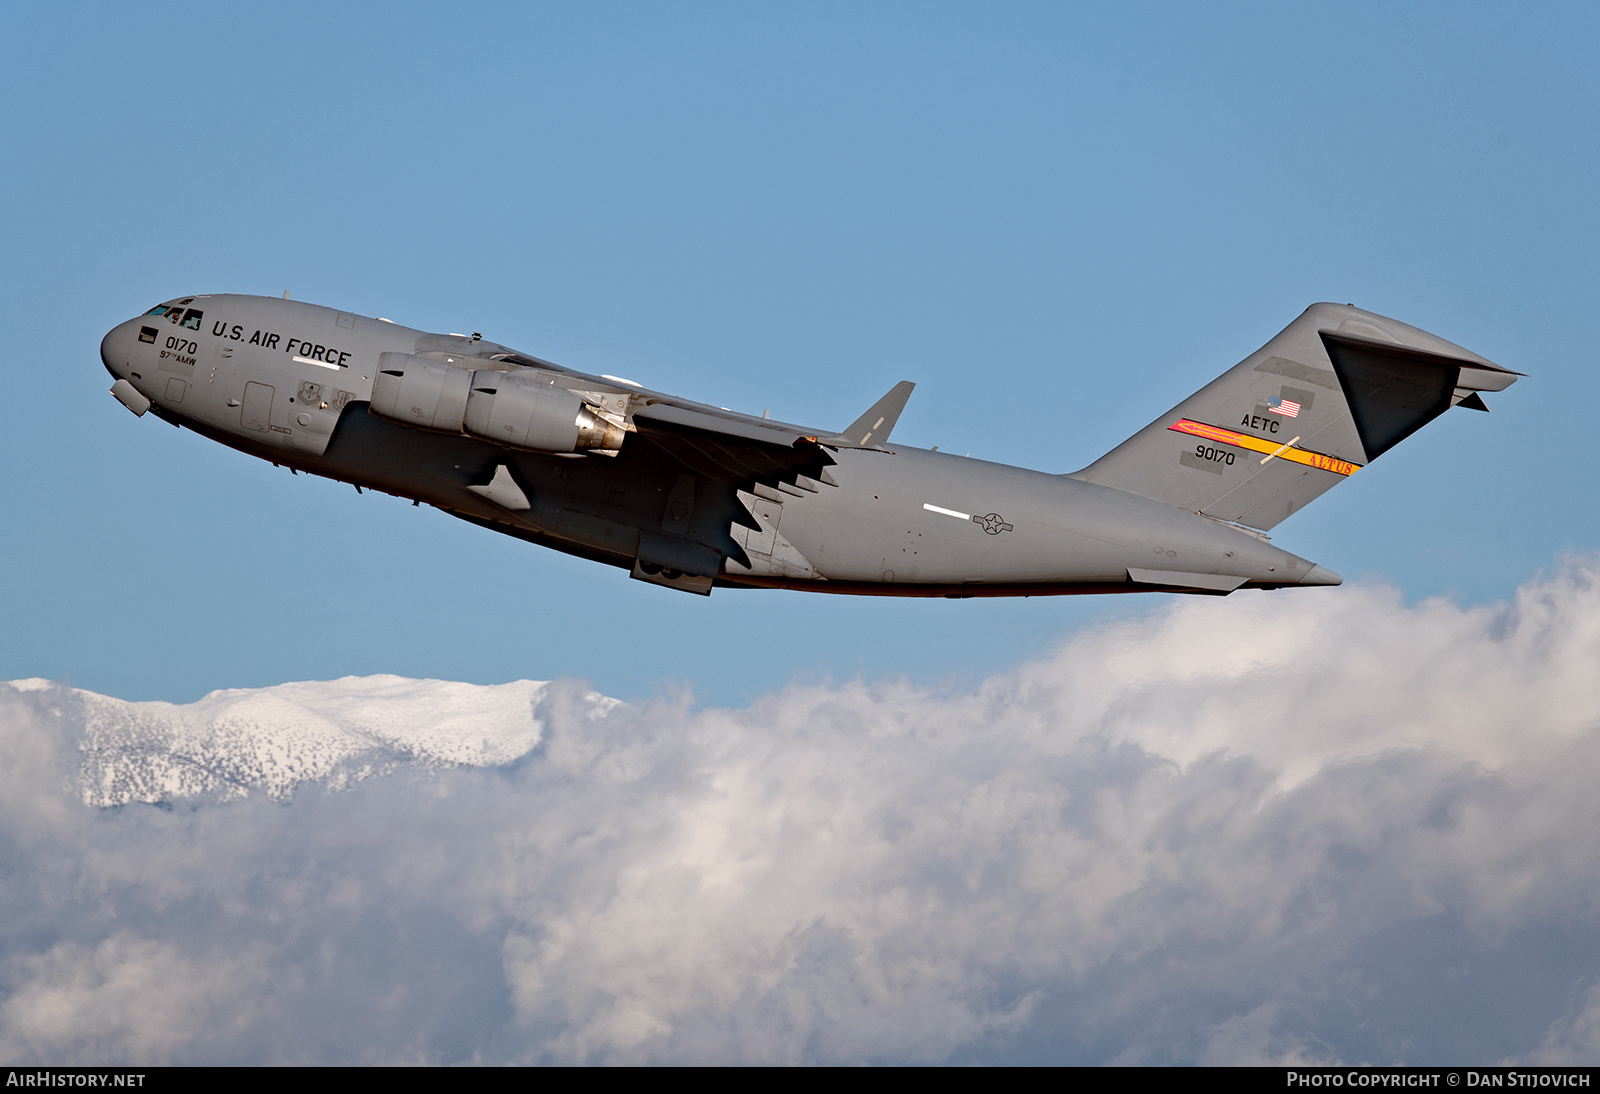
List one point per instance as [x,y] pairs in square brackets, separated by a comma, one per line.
[417,391]
[522,408]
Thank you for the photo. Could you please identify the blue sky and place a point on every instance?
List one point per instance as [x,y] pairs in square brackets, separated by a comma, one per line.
[1344,824]
[1057,219]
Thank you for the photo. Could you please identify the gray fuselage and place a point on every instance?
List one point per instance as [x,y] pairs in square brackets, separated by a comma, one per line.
[292,382]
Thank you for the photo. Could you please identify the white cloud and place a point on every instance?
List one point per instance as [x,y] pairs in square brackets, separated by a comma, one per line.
[1309,826]
[131,1000]
[1574,1038]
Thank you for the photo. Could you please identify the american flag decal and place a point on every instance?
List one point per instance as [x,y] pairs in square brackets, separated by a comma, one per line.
[1287,407]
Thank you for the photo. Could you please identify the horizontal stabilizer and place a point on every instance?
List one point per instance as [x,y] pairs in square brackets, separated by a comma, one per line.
[873,427]
[1393,391]
[1336,389]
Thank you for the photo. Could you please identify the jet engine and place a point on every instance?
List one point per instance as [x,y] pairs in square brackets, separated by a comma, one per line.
[522,408]
[417,391]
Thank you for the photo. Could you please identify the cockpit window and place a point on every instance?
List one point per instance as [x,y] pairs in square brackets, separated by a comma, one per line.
[176,314]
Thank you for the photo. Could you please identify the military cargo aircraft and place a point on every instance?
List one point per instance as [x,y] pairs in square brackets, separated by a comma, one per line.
[694,497]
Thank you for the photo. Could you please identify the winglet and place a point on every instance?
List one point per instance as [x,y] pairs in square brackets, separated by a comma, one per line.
[873,427]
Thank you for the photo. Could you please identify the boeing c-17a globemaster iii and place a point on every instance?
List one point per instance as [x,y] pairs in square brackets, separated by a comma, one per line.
[693,497]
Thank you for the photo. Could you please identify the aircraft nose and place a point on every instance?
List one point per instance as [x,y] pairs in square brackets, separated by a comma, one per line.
[114,349]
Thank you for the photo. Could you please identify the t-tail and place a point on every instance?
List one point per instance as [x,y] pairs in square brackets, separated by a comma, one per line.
[1335,390]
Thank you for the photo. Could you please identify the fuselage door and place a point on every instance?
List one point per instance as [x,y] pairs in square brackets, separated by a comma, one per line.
[257,413]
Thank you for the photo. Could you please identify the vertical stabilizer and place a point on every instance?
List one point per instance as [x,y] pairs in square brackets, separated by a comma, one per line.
[1333,391]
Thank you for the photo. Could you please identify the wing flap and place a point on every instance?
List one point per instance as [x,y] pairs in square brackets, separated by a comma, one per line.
[737,461]
[726,423]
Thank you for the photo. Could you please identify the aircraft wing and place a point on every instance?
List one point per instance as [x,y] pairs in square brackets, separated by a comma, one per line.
[740,450]
[737,449]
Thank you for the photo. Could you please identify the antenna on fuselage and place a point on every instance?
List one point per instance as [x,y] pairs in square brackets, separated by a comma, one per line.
[286,294]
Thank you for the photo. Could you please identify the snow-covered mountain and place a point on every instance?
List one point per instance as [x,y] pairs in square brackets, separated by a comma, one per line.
[274,739]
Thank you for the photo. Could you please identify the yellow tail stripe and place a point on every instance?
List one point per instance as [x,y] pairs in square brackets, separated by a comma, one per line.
[1270,448]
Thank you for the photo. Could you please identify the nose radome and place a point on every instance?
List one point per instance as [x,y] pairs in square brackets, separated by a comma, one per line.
[114,349]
